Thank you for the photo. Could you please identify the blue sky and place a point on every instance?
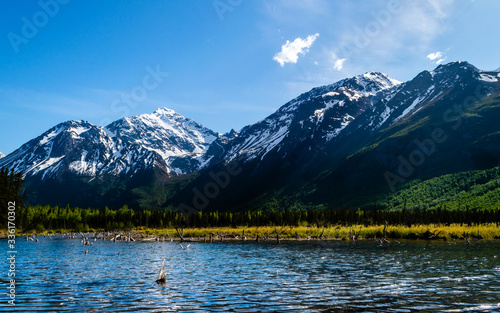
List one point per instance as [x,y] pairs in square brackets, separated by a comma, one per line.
[223,63]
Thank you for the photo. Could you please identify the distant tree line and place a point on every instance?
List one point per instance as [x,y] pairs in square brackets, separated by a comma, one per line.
[41,218]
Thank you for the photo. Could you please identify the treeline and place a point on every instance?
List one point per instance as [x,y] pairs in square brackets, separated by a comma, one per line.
[41,218]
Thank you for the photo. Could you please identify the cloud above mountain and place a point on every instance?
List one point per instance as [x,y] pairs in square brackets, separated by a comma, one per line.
[290,50]
[436,57]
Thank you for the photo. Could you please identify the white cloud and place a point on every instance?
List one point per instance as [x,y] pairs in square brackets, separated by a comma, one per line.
[290,50]
[436,55]
[339,63]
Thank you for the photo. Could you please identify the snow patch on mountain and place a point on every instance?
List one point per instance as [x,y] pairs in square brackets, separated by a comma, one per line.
[79,130]
[365,85]
[383,117]
[45,139]
[330,94]
[48,163]
[319,114]
[488,78]
[2,155]
[261,142]
[412,106]
[345,120]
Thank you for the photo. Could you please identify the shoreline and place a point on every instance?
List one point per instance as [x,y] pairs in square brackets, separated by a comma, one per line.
[288,233]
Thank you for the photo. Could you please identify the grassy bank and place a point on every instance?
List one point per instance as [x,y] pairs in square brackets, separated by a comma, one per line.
[359,232]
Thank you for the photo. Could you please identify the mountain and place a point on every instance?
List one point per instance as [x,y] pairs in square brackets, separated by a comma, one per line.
[124,147]
[312,119]
[447,124]
[338,144]
[356,142]
[163,142]
[2,155]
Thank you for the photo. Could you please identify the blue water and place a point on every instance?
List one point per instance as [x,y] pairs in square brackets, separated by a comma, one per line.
[57,276]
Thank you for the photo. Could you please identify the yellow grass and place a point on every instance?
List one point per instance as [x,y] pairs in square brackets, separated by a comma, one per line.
[358,232]
[487,231]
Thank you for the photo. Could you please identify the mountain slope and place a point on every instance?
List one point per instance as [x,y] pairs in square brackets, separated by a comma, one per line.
[317,116]
[455,131]
[473,189]
[303,163]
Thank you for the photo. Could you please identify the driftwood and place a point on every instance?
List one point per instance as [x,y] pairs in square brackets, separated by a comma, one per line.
[277,235]
[162,276]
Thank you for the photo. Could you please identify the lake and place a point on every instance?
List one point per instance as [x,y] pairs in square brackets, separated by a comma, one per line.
[56,275]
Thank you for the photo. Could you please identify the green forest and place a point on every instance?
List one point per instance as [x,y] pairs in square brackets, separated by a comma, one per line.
[474,189]
[408,212]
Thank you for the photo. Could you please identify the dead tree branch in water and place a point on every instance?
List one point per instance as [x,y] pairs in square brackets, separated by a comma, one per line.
[180,233]
[162,276]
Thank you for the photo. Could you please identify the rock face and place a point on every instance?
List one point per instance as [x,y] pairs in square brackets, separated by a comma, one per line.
[319,147]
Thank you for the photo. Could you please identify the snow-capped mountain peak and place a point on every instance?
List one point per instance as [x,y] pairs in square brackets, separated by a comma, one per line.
[368,83]
[167,128]
[318,115]
[176,140]
[371,83]
[425,89]
[458,67]
[365,85]
[163,138]
[2,155]
[165,111]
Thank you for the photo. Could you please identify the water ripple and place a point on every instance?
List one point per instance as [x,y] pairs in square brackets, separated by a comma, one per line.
[57,276]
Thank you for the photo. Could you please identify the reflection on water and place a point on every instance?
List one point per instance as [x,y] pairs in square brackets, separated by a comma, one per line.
[56,275]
